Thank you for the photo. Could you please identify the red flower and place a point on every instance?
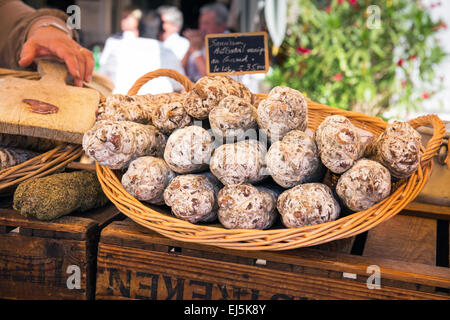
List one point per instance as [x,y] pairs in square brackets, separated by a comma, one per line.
[400,62]
[328,9]
[413,57]
[340,1]
[303,50]
[404,82]
[425,95]
[352,1]
[337,77]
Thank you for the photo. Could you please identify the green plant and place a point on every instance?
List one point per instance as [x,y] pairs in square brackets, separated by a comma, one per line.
[363,55]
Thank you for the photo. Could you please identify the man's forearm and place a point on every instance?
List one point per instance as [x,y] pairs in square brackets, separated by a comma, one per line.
[16,19]
[200,63]
[184,61]
[47,22]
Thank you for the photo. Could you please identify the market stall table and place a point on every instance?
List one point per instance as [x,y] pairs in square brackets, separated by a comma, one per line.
[407,251]
[50,259]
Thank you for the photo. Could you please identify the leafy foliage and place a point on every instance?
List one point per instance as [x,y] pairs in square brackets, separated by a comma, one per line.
[363,55]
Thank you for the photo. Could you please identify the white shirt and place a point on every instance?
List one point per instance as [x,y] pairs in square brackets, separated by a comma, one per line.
[178,44]
[126,58]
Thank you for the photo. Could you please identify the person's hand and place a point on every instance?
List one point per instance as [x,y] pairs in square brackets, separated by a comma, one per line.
[44,41]
[196,39]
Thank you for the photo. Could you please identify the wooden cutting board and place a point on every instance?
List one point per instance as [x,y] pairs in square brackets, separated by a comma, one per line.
[65,114]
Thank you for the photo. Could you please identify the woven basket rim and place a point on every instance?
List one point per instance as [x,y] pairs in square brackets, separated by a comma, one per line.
[39,166]
[277,238]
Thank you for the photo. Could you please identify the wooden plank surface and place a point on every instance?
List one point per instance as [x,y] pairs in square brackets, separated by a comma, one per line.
[147,274]
[403,238]
[434,191]
[68,224]
[36,268]
[75,223]
[42,259]
[122,270]
[427,210]
[434,199]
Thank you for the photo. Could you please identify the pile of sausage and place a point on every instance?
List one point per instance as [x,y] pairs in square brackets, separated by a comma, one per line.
[220,153]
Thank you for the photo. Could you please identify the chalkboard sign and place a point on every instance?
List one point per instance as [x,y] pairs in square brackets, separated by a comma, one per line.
[236,53]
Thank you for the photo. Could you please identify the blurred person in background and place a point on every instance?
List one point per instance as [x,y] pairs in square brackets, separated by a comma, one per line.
[127,56]
[172,22]
[213,19]
[27,34]
[151,25]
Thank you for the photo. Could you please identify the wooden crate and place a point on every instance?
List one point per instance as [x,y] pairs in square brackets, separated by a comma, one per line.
[50,260]
[136,263]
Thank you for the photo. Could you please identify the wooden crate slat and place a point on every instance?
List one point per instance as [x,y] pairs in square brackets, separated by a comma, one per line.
[143,274]
[129,234]
[130,256]
[69,224]
[77,222]
[35,268]
[427,210]
[403,238]
[39,257]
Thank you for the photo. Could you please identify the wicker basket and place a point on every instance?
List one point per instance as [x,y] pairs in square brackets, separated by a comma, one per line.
[39,166]
[44,164]
[281,238]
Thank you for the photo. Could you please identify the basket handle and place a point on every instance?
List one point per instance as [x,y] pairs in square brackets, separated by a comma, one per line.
[435,142]
[182,79]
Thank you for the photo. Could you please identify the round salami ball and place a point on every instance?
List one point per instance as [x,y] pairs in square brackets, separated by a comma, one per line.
[171,115]
[285,109]
[193,197]
[339,143]
[244,206]
[307,204]
[208,91]
[232,118]
[363,185]
[146,178]
[240,162]
[398,149]
[116,143]
[189,149]
[294,160]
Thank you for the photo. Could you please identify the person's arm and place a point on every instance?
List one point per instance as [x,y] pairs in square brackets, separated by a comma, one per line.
[200,62]
[196,39]
[25,34]
[44,39]
[184,61]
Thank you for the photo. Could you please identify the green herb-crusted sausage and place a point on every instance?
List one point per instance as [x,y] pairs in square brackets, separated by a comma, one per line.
[51,197]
